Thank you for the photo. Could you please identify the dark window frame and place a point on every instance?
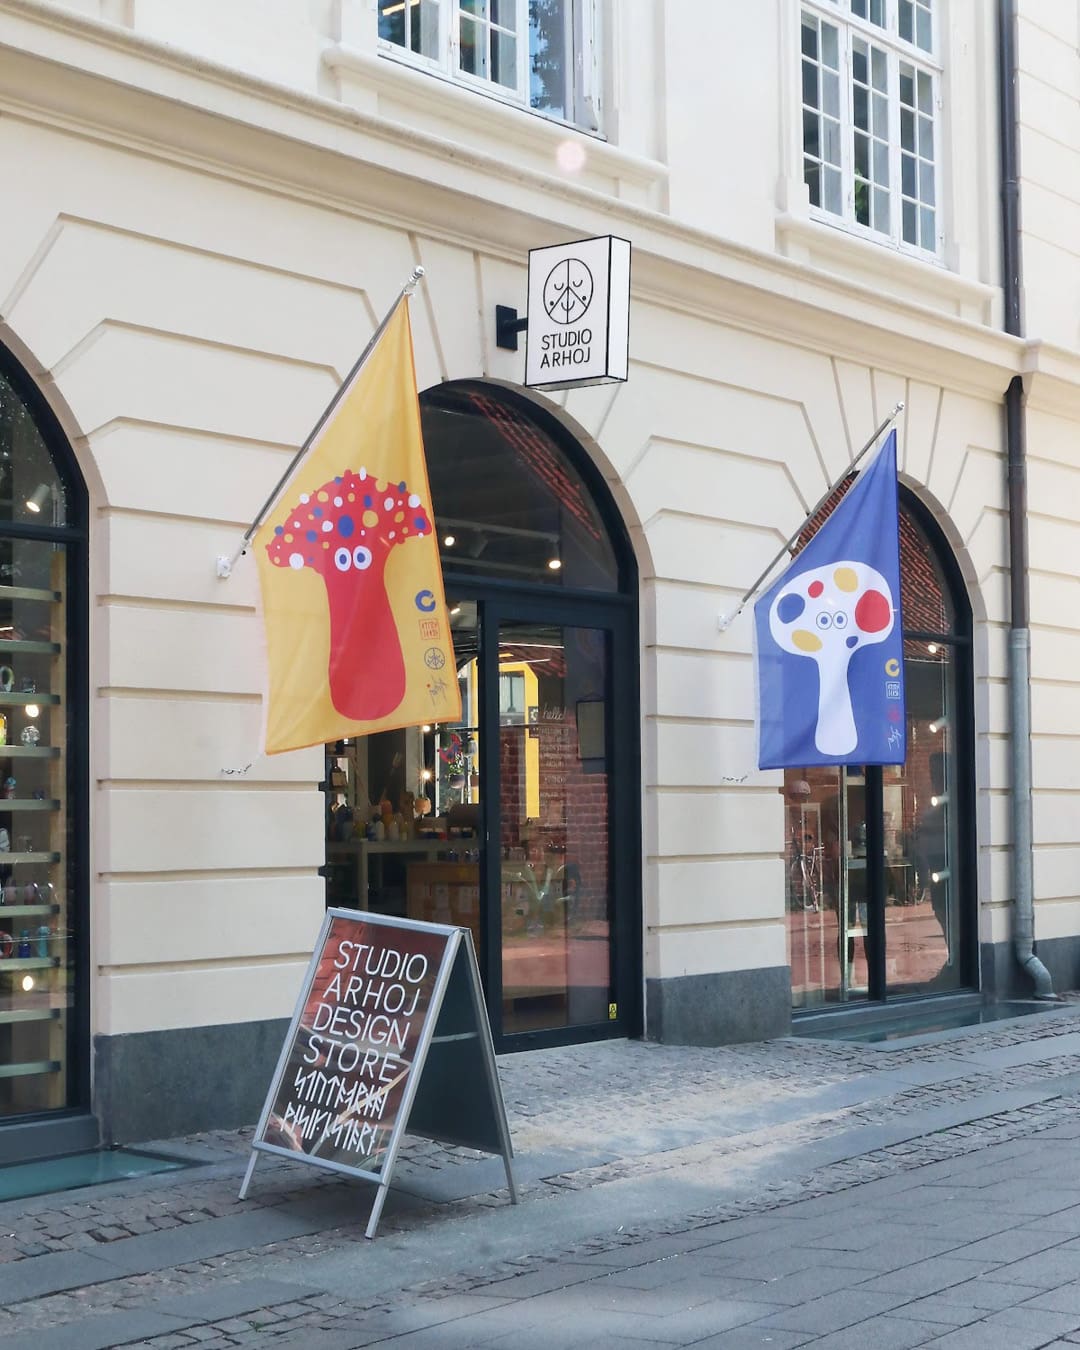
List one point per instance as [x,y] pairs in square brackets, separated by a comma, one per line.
[74,537]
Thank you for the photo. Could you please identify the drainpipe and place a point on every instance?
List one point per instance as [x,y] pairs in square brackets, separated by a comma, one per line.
[1019,633]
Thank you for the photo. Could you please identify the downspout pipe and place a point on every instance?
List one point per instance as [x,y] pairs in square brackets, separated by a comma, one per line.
[1019,630]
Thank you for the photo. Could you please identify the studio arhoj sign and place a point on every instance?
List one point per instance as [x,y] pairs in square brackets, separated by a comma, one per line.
[579,314]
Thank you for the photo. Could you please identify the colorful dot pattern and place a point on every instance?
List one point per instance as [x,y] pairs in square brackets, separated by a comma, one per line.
[872,613]
[351,521]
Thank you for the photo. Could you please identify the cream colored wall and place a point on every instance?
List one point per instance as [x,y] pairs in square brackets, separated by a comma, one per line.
[1048,95]
[195,265]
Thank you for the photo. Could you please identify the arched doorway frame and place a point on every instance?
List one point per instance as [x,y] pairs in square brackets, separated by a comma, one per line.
[617,612]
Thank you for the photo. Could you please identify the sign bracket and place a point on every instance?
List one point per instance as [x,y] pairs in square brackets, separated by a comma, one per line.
[508,326]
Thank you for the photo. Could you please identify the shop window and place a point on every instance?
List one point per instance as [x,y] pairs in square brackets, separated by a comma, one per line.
[537,53]
[878,882]
[509,505]
[505,822]
[870,95]
[42,977]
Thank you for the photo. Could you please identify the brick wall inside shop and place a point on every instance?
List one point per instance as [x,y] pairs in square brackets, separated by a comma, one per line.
[573,805]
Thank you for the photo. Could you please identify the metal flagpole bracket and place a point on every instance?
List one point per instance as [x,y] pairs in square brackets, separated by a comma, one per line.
[724,621]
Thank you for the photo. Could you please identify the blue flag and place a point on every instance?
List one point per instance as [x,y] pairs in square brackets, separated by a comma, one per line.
[829,640]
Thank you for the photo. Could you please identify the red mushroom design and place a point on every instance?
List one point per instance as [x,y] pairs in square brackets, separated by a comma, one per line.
[345,531]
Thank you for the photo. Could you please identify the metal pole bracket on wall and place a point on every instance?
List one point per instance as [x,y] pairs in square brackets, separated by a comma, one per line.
[508,326]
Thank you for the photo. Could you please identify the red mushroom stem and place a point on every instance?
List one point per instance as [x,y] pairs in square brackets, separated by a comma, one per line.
[367,670]
[345,532]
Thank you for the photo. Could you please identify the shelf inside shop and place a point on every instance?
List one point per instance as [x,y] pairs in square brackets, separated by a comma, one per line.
[18,700]
[6,858]
[28,804]
[29,962]
[29,1015]
[29,752]
[29,645]
[36,1066]
[29,593]
[25,911]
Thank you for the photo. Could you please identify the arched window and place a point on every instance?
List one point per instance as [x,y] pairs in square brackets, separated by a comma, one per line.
[879,876]
[43,825]
[510,504]
[518,806]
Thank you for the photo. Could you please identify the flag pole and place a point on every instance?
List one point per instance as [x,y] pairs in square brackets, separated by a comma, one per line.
[724,621]
[226,564]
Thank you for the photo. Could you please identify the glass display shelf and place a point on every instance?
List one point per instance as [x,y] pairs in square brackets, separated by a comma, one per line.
[27,804]
[29,752]
[30,962]
[22,911]
[29,1015]
[29,645]
[29,593]
[6,858]
[37,1066]
[12,699]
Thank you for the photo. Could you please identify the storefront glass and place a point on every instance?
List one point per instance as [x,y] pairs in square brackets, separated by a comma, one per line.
[42,985]
[504,823]
[875,867]
[553,785]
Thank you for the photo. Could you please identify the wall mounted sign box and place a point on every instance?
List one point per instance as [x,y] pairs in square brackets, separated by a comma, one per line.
[579,314]
[390,1036]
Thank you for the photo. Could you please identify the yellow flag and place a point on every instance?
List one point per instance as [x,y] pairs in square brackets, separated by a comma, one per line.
[357,634]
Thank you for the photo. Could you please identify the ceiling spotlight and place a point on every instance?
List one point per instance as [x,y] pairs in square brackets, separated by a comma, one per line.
[32,710]
[426,727]
[450,540]
[931,647]
[943,875]
[425,776]
[27,983]
[935,727]
[455,610]
[554,564]
[940,800]
[38,498]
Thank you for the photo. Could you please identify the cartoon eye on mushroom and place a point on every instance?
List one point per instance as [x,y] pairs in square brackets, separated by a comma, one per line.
[345,532]
[828,614]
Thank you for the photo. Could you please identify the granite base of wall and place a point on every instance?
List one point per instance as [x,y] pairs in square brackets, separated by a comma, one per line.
[155,1084]
[1002,977]
[720,1009]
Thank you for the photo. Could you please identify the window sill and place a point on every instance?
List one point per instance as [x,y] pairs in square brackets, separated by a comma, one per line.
[485,118]
[894,271]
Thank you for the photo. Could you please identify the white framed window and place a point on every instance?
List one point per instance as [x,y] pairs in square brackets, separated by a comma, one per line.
[870,102]
[540,54]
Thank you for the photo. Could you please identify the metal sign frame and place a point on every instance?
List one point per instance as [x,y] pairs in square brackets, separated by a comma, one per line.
[458,947]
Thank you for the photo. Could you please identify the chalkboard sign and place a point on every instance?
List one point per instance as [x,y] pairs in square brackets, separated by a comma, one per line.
[390,1035]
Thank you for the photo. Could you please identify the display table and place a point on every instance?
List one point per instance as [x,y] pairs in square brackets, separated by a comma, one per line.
[357,852]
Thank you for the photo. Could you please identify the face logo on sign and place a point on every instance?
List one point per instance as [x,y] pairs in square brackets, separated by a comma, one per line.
[827,614]
[568,291]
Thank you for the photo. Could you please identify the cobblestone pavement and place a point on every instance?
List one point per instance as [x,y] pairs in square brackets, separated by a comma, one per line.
[747,1123]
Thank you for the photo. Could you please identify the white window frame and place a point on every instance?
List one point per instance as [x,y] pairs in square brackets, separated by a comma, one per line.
[583,80]
[898,52]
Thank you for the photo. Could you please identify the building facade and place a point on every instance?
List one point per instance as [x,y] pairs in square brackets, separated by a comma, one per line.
[208,209]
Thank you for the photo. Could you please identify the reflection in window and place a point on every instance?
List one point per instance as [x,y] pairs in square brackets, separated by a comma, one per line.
[541,53]
[508,504]
[832,918]
[869,118]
